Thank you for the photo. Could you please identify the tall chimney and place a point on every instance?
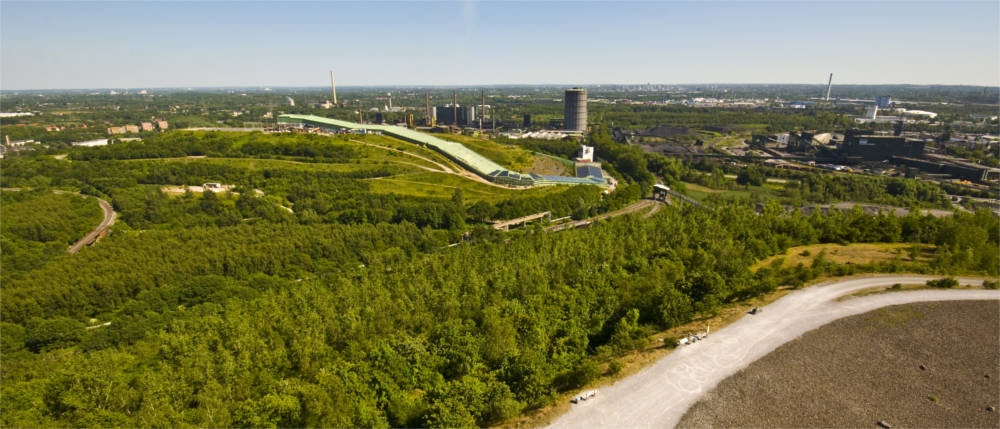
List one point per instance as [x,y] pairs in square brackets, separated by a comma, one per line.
[454,106]
[829,84]
[427,107]
[333,87]
[482,110]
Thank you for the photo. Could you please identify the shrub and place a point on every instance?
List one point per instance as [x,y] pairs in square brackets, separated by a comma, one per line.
[991,284]
[588,370]
[944,282]
[615,367]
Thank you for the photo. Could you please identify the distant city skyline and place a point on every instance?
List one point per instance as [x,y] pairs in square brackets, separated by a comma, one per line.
[74,45]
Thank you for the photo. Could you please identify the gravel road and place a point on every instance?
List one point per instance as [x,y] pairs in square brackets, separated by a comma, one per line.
[659,395]
[92,236]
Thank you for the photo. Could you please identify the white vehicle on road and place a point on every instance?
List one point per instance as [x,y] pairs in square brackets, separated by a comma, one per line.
[584,396]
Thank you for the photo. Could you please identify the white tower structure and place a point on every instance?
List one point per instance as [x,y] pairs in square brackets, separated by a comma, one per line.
[333,87]
[829,84]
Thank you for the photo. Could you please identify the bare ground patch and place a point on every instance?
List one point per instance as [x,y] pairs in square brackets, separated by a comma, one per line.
[548,166]
[918,365]
[856,253]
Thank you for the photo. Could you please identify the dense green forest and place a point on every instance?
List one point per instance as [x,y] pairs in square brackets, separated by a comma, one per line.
[39,225]
[320,325]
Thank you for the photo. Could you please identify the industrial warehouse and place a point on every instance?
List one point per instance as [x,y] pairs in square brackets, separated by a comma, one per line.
[457,152]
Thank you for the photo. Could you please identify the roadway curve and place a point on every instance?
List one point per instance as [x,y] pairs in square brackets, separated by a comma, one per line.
[93,236]
[659,395]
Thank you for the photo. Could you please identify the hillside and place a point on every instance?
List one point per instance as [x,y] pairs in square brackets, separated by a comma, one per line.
[513,157]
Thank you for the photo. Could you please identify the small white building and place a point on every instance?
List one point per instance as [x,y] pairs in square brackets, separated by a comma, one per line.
[16,143]
[922,113]
[586,154]
[91,143]
[214,187]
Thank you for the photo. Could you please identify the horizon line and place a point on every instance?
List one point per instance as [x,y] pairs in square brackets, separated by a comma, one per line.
[590,85]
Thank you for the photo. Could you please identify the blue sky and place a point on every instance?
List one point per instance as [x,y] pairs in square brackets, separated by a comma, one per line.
[180,44]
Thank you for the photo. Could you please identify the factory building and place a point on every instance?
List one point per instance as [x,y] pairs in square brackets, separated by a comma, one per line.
[575,115]
[957,168]
[883,101]
[880,148]
[466,115]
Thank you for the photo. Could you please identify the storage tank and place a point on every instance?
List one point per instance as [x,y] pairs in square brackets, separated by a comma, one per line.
[575,115]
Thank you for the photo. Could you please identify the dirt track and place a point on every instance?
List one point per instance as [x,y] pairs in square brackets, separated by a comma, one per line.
[95,234]
[659,395]
[92,236]
[929,364]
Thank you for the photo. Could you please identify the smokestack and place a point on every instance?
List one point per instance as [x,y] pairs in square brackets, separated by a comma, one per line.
[361,118]
[482,110]
[454,106]
[333,87]
[829,84]
[427,107]
[390,100]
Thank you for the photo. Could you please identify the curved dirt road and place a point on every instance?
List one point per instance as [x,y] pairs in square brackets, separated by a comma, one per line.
[659,395]
[92,236]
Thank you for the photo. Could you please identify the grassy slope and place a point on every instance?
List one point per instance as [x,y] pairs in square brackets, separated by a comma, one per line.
[253,164]
[406,147]
[700,193]
[408,178]
[512,157]
[858,253]
[429,184]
